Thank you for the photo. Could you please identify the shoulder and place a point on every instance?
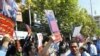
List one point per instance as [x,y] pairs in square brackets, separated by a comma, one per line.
[3,49]
[70,54]
[67,52]
[2,53]
[86,54]
[93,46]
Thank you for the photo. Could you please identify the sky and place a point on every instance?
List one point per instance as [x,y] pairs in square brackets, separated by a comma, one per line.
[95,6]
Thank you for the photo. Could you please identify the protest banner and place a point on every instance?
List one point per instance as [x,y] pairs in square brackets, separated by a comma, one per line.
[53,25]
[76,31]
[20,35]
[19,16]
[40,38]
[6,25]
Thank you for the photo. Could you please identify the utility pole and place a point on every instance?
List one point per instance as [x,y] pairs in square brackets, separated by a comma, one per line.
[91,8]
[30,15]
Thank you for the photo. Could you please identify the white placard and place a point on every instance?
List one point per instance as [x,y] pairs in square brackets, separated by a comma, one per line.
[40,38]
[20,34]
[77,31]
[50,14]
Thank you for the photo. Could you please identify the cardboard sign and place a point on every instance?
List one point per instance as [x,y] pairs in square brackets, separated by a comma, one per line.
[53,25]
[77,31]
[40,38]
[20,35]
[19,16]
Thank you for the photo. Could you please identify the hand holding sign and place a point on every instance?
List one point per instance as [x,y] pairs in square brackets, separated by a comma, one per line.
[56,37]
[40,38]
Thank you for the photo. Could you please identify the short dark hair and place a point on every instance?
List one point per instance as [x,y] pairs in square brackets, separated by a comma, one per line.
[83,48]
[73,41]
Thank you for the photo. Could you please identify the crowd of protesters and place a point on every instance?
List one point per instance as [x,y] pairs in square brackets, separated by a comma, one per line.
[29,47]
[47,46]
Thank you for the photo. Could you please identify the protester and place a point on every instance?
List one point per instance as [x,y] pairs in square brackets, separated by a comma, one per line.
[45,51]
[83,51]
[91,48]
[33,50]
[10,48]
[4,45]
[18,48]
[74,49]
[63,47]
[26,46]
[98,45]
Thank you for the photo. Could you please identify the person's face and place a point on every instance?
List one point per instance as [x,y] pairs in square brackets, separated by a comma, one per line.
[81,50]
[74,48]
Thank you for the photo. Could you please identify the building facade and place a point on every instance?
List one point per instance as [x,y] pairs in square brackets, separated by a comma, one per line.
[97,20]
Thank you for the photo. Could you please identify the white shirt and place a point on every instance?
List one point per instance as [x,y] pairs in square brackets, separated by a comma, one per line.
[3,51]
[85,54]
[93,50]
